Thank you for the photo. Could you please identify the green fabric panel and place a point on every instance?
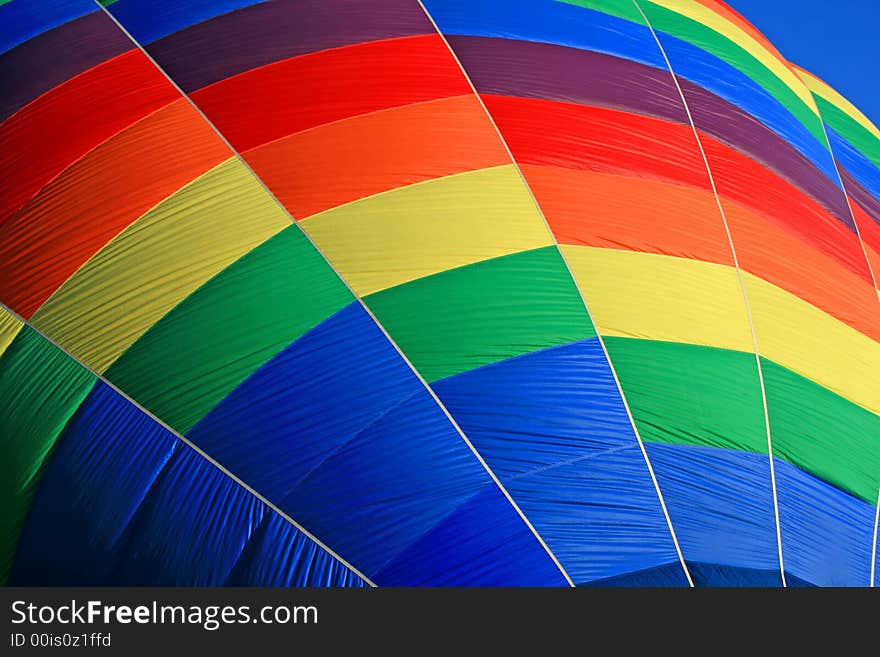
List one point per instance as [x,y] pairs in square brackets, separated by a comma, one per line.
[40,389]
[691,394]
[666,20]
[680,393]
[823,433]
[626,10]
[481,313]
[209,343]
[677,25]
[849,129]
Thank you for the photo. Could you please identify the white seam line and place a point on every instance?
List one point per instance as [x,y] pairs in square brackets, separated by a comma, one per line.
[363,305]
[580,293]
[852,215]
[874,544]
[116,238]
[742,285]
[189,443]
[849,207]
[78,162]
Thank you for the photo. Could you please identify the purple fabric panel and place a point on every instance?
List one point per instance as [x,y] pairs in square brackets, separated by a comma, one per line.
[859,194]
[740,130]
[540,70]
[537,70]
[272,31]
[39,64]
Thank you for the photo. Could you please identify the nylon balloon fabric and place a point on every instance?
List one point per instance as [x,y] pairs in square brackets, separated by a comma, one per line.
[432,293]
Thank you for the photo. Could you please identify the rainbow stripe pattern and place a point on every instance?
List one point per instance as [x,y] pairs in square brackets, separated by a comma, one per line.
[450,292]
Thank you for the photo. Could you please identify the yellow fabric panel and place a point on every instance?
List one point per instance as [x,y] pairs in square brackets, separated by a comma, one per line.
[410,232]
[658,297]
[157,261]
[10,325]
[799,336]
[704,15]
[820,88]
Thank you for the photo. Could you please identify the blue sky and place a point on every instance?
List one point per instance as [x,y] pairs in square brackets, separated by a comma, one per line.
[838,40]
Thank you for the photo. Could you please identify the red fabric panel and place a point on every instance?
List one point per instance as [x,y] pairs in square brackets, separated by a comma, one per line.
[302,92]
[95,199]
[56,129]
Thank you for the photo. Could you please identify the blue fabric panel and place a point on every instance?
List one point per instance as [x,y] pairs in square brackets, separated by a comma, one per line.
[667,575]
[796,582]
[21,20]
[490,550]
[603,517]
[200,541]
[721,504]
[826,532]
[547,21]
[552,426]
[339,432]
[541,408]
[392,483]
[707,574]
[861,168]
[148,20]
[280,555]
[702,574]
[722,79]
[306,402]
[106,496]
[104,463]
[875,575]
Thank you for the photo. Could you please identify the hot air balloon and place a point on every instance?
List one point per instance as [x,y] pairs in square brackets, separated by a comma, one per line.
[447,293]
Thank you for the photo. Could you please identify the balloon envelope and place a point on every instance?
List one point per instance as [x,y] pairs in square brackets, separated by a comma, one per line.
[451,292]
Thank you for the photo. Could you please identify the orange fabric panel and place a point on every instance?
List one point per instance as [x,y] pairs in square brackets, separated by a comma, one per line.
[340,162]
[279,99]
[874,259]
[559,134]
[779,257]
[47,135]
[612,211]
[740,178]
[93,200]
[622,212]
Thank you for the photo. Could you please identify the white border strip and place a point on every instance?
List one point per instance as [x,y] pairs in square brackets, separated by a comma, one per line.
[354,294]
[583,299]
[192,446]
[742,287]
